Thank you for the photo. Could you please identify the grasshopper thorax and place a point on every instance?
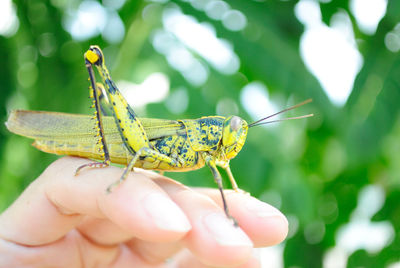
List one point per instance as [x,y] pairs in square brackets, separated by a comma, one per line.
[234,134]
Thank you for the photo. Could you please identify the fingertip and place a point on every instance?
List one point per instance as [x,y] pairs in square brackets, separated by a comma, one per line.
[264,224]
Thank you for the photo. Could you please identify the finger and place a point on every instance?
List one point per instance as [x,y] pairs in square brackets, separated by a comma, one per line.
[138,205]
[102,231]
[33,220]
[54,203]
[65,252]
[186,259]
[213,238]
[70,251]
[264,224]
[127,258]
[154,253]
[176,256]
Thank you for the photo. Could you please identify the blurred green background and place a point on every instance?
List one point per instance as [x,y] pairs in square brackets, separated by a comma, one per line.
[336,175]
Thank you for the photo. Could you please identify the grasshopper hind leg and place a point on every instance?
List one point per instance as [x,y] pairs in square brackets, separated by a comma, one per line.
[124,175]
[142,152]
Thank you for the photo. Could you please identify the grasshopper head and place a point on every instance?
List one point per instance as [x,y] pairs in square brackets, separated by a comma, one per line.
[94,55]
[234,134]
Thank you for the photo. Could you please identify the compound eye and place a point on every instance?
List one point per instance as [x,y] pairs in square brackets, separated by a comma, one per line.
[236,123]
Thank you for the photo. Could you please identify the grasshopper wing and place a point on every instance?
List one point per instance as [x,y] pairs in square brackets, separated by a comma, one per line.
[40,125]
[57,126]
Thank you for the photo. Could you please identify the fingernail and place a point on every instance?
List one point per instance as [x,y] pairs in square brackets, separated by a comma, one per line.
[224,231]
[165,213]
[261,209]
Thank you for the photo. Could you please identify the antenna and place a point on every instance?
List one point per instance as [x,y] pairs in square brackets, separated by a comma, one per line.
[260,122]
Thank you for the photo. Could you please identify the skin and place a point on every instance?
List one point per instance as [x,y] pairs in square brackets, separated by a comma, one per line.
[149,221]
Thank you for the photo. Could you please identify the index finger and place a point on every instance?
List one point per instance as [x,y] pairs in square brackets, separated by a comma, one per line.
[56,202]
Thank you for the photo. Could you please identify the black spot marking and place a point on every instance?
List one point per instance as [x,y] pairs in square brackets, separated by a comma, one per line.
[111,86]
[162,147]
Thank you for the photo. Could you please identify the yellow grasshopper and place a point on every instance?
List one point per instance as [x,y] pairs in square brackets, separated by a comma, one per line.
[124,138]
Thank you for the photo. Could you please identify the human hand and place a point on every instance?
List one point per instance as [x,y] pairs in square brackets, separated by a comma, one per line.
[148,221]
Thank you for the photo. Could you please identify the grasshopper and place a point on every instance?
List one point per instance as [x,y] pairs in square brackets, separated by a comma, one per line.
[124,138]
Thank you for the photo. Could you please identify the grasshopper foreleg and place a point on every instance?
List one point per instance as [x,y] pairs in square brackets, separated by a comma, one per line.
[233,182]
[232,179]
[218,179]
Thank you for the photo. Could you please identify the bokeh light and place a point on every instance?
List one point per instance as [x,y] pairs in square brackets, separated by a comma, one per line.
[329,52]
[335,175]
